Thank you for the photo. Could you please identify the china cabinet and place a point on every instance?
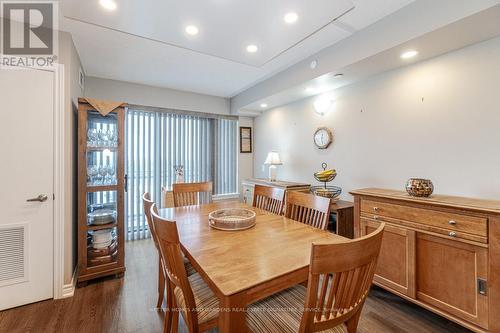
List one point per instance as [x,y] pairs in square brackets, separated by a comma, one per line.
[101,187]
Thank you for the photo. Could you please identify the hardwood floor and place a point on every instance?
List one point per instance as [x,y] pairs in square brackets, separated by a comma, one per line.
[127,306]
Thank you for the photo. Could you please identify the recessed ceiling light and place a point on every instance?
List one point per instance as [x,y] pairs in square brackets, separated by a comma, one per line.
[192,30]
[108,4]
[409,54]
[263,105]
[252,48]
[291,17]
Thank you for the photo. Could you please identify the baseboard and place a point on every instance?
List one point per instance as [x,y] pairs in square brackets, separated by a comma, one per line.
[69,289]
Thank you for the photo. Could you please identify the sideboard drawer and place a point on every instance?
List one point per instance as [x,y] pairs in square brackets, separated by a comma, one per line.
[453,222]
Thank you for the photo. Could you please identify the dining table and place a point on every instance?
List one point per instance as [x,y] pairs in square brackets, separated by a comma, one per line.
[242,267]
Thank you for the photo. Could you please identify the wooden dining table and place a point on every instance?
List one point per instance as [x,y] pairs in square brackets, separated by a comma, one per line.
[242,267]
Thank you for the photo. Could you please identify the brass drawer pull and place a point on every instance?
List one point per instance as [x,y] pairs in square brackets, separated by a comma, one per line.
[376,209]
[375,217]
[452,234]
[452,222]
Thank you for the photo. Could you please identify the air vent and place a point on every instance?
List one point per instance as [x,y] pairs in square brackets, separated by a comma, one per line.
[13,261]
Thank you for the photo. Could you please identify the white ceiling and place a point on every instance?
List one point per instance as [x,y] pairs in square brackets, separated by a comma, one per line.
[145,42]
[472,29]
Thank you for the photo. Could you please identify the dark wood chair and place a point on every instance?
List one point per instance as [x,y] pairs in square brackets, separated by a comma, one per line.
[308,208]
[193,297]
[189,194]
[269,198]
[340,277]
[147,204]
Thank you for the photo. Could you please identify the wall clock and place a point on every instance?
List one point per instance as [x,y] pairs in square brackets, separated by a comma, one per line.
[323,137]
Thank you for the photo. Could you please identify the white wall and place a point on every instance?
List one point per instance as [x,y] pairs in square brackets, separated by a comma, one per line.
[438,119]
[245,160]
[153,96]
[68,56]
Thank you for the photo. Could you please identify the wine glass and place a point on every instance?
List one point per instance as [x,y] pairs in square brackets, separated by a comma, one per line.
[111,173]
[114,138]
[103,171]
[92,137]
[92,171]
[103,137]
[109,134]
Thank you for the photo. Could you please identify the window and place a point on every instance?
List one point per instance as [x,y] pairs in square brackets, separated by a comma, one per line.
[157,141]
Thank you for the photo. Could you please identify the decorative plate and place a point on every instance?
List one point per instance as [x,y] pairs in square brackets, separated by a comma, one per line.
[232,219]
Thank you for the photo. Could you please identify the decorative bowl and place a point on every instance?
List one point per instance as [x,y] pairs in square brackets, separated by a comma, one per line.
[232,219]
[417,187]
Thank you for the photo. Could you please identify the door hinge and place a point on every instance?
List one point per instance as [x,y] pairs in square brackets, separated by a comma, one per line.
[482,287]
[53,196]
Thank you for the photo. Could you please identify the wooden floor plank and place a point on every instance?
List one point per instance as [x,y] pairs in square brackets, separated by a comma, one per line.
[127,306]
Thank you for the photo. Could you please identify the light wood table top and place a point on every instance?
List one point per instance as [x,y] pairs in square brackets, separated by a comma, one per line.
[242,267]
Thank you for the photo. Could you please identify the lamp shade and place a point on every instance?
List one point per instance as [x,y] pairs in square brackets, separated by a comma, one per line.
[273,158]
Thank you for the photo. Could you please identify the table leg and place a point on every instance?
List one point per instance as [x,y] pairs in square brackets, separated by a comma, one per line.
[232,317]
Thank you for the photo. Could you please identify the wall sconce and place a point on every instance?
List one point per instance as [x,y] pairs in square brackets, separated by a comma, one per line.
[322,105]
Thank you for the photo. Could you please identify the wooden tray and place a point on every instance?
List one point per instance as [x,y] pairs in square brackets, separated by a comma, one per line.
[231,219]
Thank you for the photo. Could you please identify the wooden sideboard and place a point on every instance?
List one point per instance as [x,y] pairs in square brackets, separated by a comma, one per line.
[249,185]
[442,252]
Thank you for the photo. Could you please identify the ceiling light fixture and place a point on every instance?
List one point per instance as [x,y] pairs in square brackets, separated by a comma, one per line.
[322,105]
[108,4]
[263,105]
[252,48]
[291,17]
[409,54]
[192,30]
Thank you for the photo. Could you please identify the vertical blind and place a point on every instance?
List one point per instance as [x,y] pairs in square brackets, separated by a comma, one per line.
[226,160]
[158,141]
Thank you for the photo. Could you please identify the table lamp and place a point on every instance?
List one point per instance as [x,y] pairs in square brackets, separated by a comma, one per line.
[273,159]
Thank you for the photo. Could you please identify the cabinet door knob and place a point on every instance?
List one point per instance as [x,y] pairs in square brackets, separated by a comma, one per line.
[452,234]
[375,217]
[452,222]
[375,209]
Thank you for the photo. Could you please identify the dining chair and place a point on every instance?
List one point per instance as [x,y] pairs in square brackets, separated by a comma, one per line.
[167,198]
[308,208]
[147,203]
[340,277]
[193,298]
[188,194]
[269,198]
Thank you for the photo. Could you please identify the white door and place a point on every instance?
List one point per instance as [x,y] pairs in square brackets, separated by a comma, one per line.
[26,172]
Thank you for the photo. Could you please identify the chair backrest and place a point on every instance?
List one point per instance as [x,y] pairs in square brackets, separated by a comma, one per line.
[188,194]
[172,259]
[147,203]
[340,277]
[308,208]
[269,198]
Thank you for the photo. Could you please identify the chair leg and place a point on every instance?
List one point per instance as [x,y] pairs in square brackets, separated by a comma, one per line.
[167,325]
[161,285]
[352,323]
[175,321]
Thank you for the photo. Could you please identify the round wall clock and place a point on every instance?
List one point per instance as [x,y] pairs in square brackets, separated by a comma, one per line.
[323,137]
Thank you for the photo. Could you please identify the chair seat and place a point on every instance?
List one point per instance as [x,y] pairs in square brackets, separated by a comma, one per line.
[281,312]
[207,303]
[189,268]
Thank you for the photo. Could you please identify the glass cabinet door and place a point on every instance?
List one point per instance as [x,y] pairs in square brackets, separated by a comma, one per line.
[102,149]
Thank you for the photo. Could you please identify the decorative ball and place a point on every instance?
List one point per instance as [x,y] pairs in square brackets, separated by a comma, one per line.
[417,187]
